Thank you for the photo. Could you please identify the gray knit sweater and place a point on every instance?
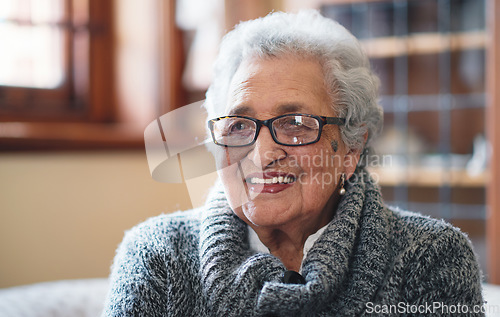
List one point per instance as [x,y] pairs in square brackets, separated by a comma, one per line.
[370,261]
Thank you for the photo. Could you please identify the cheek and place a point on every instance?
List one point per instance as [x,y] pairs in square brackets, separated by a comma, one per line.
[234,186]
[224,157]
[320,159]
[230,177]
[322,170]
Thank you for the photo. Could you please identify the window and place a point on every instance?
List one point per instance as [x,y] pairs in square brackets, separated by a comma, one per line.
[52,50]
[57,68]
[31,27]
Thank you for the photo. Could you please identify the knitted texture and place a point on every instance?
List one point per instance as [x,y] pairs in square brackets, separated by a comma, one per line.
[199,263]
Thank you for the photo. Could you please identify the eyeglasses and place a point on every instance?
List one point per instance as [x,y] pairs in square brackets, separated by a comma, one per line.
[290,129]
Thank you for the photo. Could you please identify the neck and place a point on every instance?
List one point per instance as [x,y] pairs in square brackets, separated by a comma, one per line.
[286,242]
[284,245]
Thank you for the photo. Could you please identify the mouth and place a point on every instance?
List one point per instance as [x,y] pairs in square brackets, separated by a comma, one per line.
[270,182]
[270,178]
[274,180]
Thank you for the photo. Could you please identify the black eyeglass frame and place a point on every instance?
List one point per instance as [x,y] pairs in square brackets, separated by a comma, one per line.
[268,123]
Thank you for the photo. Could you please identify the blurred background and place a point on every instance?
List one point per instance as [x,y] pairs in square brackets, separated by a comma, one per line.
[81,79]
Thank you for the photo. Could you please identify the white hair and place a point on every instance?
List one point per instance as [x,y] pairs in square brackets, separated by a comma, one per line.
[352,86]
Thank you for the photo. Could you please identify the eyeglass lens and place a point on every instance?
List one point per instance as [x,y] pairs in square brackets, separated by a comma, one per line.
[288,130]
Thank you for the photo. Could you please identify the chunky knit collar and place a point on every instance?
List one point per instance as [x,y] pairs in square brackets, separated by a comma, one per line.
[343,270]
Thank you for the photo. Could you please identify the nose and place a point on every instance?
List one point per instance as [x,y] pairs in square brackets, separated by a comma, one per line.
[265,151]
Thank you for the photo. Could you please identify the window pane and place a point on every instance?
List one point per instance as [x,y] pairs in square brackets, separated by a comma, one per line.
[32,42]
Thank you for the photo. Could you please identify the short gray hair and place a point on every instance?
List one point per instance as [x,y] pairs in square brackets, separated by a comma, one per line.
[353,88]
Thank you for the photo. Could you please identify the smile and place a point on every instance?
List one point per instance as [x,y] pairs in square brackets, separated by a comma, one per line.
[274,180]
[271,178]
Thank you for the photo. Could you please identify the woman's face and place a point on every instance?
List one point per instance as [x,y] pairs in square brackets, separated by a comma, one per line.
[270,185]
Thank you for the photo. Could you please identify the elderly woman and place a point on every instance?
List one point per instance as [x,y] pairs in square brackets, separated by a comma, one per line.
[296,226]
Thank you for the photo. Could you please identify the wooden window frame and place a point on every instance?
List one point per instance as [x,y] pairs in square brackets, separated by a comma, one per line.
[94,126]
[53,104]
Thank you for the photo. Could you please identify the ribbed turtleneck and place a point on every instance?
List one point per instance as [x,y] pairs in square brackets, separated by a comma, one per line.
[237,280]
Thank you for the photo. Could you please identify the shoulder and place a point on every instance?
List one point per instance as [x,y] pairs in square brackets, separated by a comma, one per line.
[424,229]
[156,260]
[166,232]
[168,223]
[431,246]
[428,241]
[421,242]
[438,255]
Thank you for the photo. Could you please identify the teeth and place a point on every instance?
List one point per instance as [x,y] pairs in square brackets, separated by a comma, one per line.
[274,180]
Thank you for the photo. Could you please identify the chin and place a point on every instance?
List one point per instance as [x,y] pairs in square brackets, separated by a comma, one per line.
[266,213]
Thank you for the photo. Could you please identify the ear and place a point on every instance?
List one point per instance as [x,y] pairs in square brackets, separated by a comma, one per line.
[352,157]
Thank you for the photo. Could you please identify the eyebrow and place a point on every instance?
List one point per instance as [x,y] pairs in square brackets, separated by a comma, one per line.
[290,107]
[241,110]
[281,109]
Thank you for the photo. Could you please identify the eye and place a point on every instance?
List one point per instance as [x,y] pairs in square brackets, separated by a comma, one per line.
[297,122]
[288,123]
[238,126]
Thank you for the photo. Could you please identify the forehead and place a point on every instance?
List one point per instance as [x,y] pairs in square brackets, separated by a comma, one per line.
[280,108]
[274,86]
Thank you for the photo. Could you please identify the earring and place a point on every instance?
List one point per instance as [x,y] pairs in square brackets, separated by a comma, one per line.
[342,183]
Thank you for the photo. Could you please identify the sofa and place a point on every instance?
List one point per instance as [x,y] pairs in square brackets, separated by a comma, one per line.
[85,297]
[67,298]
